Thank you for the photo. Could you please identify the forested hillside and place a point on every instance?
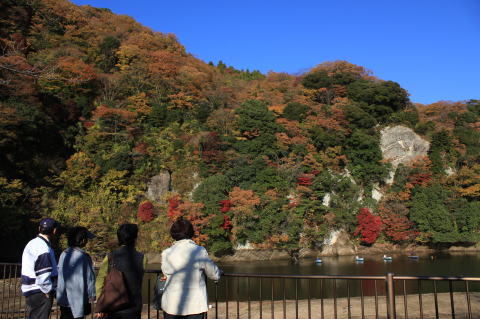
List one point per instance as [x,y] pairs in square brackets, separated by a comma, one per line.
[93,105]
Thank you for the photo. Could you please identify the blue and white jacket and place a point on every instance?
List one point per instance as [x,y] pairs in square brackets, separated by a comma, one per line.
[39,268]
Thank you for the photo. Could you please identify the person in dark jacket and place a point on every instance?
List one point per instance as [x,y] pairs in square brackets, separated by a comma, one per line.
[131,263]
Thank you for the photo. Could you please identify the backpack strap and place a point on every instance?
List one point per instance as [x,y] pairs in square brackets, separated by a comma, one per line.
[111,263]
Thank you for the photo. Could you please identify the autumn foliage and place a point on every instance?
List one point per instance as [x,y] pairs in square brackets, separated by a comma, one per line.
[104,121]
[145,211]
[369,226]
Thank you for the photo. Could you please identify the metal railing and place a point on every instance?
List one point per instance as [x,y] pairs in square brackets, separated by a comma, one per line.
[325,296]
[303,296]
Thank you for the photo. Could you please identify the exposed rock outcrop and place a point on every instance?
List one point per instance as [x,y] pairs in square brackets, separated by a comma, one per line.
[338,243]
[158,186]
[400,145]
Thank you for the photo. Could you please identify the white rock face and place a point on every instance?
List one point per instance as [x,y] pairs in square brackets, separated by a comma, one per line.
[377,192]
[450,171]
[331,238]
[326,199]
[247,246]
[400,145]
[158,186]
[338,242]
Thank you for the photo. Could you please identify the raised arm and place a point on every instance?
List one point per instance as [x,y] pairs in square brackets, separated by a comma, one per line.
[211,269]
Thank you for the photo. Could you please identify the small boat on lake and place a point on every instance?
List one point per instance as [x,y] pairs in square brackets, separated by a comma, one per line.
[359,259]
[413,257]
[387,258]
[318,261]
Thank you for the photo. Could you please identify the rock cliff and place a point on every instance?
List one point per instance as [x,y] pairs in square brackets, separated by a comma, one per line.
[158,186]
[400,145]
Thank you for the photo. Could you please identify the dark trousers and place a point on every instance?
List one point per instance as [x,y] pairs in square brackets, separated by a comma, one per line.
[195,316]
[39,305]
[66,313]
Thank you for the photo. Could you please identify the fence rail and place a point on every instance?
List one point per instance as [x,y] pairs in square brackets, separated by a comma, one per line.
[243,296]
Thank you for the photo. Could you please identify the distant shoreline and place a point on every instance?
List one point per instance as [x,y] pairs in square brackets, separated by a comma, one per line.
[244,255]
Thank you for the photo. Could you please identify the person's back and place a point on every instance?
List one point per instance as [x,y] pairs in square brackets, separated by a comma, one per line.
[76,276]
[39,271]
[39,268]
[130,263]
[185,264]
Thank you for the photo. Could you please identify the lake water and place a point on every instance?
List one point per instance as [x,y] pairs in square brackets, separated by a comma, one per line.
[453,264]
[427,265]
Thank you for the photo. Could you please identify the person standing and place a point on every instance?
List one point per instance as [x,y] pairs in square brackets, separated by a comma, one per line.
[185,264]
[39,271]
[76,277]
[131,263]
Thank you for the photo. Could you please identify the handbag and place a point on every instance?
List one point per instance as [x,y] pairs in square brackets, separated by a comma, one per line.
[158,292]
[114,295]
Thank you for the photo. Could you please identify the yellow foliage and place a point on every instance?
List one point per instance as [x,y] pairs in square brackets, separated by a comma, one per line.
[139,103]
[10,191]
[180,101]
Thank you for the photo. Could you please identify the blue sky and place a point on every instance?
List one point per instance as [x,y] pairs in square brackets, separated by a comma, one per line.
[430,47]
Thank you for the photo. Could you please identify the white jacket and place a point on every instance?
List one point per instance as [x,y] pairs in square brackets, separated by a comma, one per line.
[185,264]
[39,268]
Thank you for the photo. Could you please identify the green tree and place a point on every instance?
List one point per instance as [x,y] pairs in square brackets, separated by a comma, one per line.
[364,155]
[467,218]
[211,192]
[429,211]
[380,99]
[257,127]
[295,111]
[106,53]
[441,151]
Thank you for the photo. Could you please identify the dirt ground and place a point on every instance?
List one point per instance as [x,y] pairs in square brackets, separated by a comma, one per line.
[289,310]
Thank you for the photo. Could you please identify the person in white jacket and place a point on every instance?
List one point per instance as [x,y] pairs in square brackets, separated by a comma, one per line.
[185,264]
[39,271]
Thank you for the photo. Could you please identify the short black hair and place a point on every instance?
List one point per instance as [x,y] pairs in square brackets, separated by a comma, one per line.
[182,229]
[77,236]
[127,234]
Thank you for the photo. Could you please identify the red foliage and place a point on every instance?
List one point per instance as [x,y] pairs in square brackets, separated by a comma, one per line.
[369,226]
[305,180]
[211,148]
[421,179]
[141,148]
[399,228]
[145,211]
[227,223]
[226,205]
[173,211]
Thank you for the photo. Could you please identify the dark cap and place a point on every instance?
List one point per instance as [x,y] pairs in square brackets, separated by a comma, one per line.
[48,224]
[90,235]
[77,236]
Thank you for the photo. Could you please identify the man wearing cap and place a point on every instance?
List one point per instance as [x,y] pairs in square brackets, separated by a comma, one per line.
[76,277]
[39,271]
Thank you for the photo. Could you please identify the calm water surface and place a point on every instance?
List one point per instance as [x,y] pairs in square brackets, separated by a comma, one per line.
[426,265]
[452,264]
[440,265]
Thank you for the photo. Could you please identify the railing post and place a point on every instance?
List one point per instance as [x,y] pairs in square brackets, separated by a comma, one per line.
[390,296]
